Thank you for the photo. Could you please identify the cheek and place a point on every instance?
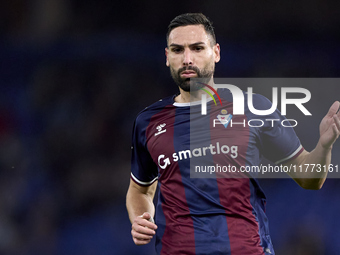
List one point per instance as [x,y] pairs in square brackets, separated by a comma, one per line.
[173,60]
[205,58]
[208,61]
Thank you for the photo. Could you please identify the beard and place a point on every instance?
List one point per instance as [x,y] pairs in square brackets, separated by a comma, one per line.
[204,74]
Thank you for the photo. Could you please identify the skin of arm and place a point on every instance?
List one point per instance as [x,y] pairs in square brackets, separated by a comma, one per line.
[139,204]
[321,155]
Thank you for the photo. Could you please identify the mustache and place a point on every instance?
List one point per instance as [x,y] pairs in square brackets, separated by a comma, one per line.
[185,68]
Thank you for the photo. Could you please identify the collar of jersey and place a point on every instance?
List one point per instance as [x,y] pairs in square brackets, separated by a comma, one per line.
[190,103]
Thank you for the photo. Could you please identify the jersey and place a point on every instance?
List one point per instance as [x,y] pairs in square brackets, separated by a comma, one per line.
[209,215]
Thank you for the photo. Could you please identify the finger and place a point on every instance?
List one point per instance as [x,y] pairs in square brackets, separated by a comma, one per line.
[146,216]
[336,119]
[333,109]
[338,110]
[140,242]
[335,131]
[140,236]
[145,223]
[143,230]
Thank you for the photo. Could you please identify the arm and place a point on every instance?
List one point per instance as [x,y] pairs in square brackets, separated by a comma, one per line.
[139,203]
[308,179]
[321,155]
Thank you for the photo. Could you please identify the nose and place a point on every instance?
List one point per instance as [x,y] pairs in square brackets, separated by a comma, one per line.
[187,58]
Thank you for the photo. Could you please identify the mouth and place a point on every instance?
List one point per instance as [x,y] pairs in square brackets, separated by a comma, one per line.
[188,74]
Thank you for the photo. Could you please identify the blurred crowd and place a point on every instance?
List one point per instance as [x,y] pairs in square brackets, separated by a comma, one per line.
[73,76]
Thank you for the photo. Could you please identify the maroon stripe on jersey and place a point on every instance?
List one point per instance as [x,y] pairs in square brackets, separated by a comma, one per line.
[234,189]
[178,237]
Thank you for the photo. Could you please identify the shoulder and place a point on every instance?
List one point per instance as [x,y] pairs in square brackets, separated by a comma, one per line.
[257,99]
[260,102]
[146,114]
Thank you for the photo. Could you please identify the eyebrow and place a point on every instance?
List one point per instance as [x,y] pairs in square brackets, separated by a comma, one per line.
[191,45]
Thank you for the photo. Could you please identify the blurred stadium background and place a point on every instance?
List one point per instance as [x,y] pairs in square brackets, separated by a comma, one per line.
[73,76]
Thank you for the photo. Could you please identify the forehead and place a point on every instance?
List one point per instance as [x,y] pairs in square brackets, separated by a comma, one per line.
[188,35]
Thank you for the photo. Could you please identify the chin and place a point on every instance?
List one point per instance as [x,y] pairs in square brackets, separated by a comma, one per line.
[187,87]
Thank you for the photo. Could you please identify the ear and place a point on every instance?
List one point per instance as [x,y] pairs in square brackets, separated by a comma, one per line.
[166,54]
[217,51]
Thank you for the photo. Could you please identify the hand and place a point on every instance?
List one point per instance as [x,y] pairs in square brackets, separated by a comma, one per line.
[330,126]
[143,229]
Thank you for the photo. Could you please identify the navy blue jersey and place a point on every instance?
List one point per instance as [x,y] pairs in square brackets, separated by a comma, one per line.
[217,215]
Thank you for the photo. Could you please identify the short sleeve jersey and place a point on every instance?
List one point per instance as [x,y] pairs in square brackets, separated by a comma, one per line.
[209,215]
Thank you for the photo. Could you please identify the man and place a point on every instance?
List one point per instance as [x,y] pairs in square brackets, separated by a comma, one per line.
[200,215]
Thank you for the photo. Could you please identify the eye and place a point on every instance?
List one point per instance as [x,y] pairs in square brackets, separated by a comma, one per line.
[198,48]
[177,50]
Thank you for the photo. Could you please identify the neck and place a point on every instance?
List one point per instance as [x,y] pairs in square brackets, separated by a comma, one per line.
[187,97]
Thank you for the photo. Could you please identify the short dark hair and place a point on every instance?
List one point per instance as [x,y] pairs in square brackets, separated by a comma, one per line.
[192,19]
